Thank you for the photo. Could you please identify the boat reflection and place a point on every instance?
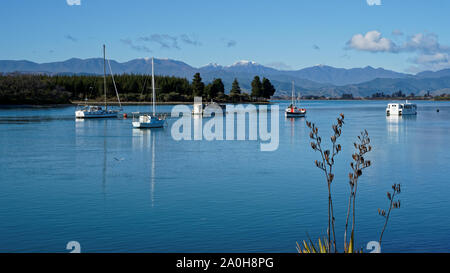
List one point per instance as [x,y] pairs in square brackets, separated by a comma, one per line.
[293,123]
[84,130]
[141,138]
[198,127]
[83,126]
[152,173]
[397,125]
[146,140]
[104,158]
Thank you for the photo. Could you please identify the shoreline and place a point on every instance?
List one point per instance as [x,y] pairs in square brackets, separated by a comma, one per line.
[75,103]
[157,103]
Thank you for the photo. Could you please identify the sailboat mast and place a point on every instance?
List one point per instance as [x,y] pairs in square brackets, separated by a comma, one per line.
[292,98]
[104,74]
[153,89]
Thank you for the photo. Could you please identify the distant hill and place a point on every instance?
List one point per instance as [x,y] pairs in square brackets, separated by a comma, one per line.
[244,71]
[342,76]
[432,74]
[418,86]
[316,80]
[95,66]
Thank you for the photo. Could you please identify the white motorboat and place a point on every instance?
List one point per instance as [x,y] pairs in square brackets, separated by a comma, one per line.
[207,109]
[401,109]
[95,111]
[198,106]
[293,111]
[147,120]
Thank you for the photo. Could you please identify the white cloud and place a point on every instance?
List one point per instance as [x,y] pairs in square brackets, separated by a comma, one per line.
[73,2]
[374,2]
[371,41]
[423,43]
[434,62]
[436,58]
[430,54]
[427,43]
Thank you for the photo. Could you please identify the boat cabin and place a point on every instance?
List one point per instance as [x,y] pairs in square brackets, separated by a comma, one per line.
[401,109]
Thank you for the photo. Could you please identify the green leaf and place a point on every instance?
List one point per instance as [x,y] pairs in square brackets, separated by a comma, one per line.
[305,245]
[322,247]
[312,246]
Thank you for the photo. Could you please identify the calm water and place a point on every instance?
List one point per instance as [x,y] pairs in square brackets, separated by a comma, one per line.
[116,189]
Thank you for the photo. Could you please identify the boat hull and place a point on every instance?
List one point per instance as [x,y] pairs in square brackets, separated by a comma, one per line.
[84,114]
[401,113]
[152,124]
[295,114]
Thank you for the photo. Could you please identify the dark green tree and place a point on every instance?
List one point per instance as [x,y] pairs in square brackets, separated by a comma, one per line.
[198,87]
[235,88]
[215,88]
[267,88]
[256,87]
[207,90]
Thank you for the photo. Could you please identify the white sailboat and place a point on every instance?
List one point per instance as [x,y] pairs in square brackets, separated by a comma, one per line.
[146,120]
[293,111]
[95,111]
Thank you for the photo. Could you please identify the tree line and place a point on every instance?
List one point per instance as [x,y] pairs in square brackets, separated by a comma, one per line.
[45,89]
[261,90]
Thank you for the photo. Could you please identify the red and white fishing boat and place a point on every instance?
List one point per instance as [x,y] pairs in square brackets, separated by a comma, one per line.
[293,111]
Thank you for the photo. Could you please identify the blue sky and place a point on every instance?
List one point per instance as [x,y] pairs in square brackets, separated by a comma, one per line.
[402,35]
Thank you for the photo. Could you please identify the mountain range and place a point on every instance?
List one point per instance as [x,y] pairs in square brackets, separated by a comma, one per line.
[316,80]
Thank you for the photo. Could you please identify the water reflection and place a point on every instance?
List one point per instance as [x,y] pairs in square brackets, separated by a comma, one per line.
[145,139]
[198,127]
[104,157]
[87,133]
[293,123]
[31,119]
[210,189]
[83,126]
[397,125]
[152,174]
[141,138]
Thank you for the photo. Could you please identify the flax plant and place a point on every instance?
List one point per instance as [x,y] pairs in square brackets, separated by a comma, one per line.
[326,165]
[393,204]
[358,165]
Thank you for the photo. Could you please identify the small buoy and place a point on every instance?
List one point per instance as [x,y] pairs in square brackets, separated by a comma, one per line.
[125,115]
[437,110]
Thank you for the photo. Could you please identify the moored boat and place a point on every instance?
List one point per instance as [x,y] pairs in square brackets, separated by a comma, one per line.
[95,111]
[146,120]
[401,109]
[293,111]
[207,109]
